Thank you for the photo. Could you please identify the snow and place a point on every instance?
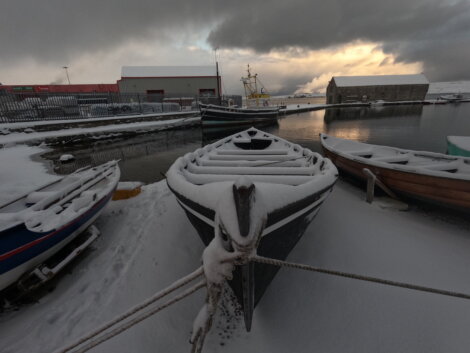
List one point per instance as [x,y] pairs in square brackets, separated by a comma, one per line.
[20,175]
[380,80]
[463,142]
[167,71]
[449,87]
[419,162]
[147,243]
[129,185]
[33,123]
[20,137]
[66,157]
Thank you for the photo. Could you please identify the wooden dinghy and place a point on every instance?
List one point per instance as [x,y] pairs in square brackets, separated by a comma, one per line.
[215,115]
[432,177]
[252,189]
[36,226]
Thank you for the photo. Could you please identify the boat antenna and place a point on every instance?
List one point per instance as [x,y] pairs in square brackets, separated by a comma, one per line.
[218,77]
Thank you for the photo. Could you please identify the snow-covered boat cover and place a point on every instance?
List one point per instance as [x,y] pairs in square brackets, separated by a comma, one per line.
[282,172]
[419,162]
[59,203]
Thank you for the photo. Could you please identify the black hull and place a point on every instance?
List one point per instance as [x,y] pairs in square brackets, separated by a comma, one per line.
[276,244]
[214,117]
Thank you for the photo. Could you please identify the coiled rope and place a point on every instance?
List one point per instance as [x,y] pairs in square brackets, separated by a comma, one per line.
[275,262]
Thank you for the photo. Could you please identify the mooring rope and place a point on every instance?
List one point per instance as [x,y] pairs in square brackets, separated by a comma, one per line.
[275,262]
[174,286]
[140,318]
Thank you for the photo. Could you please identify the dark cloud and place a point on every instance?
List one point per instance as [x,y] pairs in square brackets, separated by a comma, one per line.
[436,32]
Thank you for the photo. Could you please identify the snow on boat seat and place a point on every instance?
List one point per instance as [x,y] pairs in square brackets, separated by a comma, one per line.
[256,152]
[37,196]
[240,163]
[248,157]
[86,199]
[278,162]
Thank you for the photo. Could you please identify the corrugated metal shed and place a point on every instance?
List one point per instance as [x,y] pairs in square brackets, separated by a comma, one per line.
[381,80]
[168,71]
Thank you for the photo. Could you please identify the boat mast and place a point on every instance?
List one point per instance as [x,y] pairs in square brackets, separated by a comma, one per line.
[218,77]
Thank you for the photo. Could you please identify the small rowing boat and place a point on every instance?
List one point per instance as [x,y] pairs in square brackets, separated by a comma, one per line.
[253,191]
[432,177]
[37,225]
[216,115]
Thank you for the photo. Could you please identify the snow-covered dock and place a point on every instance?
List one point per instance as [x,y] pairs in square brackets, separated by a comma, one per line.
[87,129]
[147,243]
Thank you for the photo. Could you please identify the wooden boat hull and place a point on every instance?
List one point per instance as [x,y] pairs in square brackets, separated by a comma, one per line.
[448,192]
[211,117]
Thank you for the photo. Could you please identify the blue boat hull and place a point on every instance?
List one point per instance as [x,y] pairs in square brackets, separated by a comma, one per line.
[21,249]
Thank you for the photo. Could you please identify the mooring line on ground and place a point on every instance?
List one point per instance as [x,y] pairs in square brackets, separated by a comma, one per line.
[119,329]
[137,309]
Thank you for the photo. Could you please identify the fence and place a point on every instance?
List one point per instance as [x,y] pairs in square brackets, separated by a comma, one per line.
[20,107]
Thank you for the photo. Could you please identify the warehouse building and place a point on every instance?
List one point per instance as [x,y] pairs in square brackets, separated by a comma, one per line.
[391,88]
[170,81]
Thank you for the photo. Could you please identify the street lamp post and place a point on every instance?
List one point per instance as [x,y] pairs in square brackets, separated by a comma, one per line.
[67,73]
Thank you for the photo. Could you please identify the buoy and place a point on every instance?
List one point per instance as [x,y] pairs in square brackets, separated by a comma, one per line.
[127,189]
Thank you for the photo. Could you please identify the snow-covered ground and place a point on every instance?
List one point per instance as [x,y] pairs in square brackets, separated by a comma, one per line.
[18,174]
[147,243]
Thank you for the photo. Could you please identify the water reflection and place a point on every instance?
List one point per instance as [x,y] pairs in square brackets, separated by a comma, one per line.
[360,113]
[142,158]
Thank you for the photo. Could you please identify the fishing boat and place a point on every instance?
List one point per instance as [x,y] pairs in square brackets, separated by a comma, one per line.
[218,116]
[252,189]
[257,110]
[427,176]
[36,226]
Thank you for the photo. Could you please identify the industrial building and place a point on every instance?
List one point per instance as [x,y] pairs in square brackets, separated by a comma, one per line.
[392,88]
[170,81]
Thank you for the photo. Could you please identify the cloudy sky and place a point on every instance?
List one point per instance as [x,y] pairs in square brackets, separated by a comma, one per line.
[295,45]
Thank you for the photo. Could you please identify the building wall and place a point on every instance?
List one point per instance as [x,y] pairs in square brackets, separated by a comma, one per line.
[389,93]
[172,86]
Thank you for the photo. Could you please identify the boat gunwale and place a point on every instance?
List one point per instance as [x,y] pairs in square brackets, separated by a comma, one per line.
[412,169]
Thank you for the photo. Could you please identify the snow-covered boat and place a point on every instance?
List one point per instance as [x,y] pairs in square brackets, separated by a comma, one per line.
[433,177]
[252,190]
[39,224]
[216,115]
[458,145]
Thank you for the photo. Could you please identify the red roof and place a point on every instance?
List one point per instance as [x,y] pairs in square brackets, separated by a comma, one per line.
[79,88]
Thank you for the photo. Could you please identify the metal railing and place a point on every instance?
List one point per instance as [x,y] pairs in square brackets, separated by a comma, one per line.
[22,107]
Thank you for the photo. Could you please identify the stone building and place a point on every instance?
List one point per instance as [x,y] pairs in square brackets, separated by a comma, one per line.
[170,81]
[392,88]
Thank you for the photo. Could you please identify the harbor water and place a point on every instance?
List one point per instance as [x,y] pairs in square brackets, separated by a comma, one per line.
[147,157]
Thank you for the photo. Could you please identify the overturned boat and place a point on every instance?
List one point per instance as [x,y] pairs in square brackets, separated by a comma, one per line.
[36,226]
[427,176]
[216,115]
[253,192]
